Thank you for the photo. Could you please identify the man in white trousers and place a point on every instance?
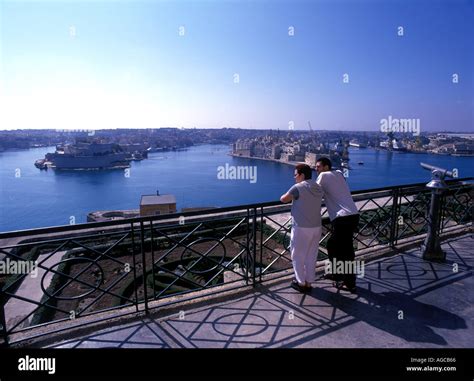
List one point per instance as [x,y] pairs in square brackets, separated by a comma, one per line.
[306,195]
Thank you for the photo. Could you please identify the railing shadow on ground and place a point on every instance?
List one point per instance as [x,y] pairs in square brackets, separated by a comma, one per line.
[277,316]
[125,266]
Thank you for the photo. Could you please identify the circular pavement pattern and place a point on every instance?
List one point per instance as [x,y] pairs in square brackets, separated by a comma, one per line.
[240,324]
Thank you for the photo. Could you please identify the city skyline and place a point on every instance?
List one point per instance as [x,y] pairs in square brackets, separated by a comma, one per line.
[341,66]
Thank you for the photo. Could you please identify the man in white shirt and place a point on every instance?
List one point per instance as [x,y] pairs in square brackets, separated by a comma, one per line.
[306,226]
[344,217]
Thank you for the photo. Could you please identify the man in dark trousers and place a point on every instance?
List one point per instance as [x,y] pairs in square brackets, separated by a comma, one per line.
[344,217]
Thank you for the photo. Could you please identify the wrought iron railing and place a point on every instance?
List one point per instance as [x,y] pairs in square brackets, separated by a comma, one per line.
[88,272]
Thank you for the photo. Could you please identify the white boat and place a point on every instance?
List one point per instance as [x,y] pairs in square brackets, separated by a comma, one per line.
[41,164]
[398,146]
[355,143]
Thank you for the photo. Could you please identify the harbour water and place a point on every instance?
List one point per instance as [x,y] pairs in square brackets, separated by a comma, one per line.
[31,198]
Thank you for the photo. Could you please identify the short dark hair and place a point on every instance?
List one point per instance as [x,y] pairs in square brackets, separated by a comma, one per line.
[304,169]
[325,162]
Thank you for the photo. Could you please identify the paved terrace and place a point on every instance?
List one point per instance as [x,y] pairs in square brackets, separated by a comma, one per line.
[402,302]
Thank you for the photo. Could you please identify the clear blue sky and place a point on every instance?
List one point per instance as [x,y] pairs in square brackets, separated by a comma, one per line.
[114,64]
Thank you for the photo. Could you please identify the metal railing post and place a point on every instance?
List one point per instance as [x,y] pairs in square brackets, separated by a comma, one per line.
[3,324]
[134,268]
[395,216]
[254,244]
[260,261]
[247,252]
[142,249]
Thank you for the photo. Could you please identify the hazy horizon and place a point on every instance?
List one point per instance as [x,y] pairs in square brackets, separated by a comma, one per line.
[236,128]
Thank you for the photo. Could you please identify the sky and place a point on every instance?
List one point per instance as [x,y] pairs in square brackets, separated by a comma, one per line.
[342,65]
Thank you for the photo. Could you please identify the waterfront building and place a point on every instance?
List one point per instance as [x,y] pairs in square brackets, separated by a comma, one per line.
[310,158]
[152,205]
[276,151]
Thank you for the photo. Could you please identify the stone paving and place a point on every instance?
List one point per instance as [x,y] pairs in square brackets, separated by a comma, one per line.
[402,302]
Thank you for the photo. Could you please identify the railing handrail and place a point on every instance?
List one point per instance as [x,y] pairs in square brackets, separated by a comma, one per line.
[171,216]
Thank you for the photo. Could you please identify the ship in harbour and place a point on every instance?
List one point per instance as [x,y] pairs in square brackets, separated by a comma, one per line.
[393,145]
[85,156]
[398,145]
[357,144]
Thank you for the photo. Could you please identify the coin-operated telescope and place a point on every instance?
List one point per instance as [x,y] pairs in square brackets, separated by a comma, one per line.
[437,176]
[431,247]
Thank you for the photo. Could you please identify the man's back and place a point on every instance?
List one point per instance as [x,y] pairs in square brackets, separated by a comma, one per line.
[337,195]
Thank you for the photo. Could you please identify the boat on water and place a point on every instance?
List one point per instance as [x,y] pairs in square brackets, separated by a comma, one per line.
[137,156]
[155,149]
[41,164]
[357,144]
[345,165]
[360,163]
[398,146]
[393,144]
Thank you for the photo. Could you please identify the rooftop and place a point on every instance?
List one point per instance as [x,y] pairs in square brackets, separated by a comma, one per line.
[161,199]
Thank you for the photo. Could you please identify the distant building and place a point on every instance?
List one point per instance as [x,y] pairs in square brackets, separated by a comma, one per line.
[276,151]
[286,156]
[454,135]
[153,205]
[243,148]
[258,150]
[310,159]
[445,149]
[464,149]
